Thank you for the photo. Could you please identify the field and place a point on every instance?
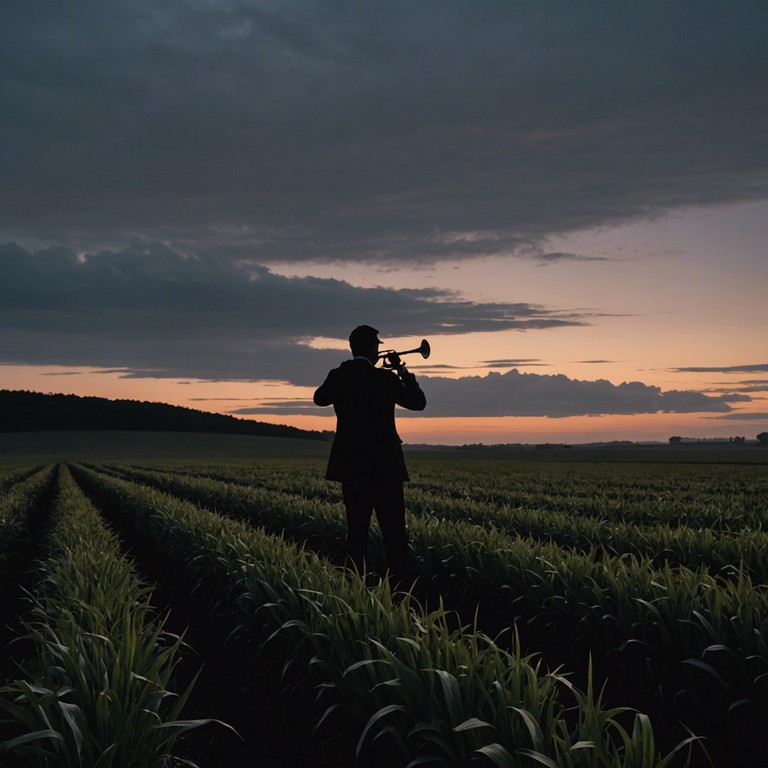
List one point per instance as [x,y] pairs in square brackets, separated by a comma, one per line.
[564,608]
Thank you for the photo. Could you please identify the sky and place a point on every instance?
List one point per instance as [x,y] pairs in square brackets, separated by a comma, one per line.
[199,199]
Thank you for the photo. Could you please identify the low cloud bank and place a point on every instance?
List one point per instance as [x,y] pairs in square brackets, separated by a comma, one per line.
[530,394]
[150,311]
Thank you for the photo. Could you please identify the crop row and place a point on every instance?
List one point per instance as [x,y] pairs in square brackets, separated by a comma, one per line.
[679,639]
[379,670]
[690,495]
[320,524]
[9,476]
[18,504]
[96,692]
[644,494]
[22,505]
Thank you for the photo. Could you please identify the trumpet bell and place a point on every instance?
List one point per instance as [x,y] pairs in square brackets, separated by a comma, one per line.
[423,349]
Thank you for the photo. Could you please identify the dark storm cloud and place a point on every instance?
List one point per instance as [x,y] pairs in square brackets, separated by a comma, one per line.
[530,394]
[151,312]
[399,130]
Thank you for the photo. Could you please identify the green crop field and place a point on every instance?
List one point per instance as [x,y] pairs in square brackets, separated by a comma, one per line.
[601,607]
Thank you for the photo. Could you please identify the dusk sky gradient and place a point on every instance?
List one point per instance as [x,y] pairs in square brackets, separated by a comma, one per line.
[199,199]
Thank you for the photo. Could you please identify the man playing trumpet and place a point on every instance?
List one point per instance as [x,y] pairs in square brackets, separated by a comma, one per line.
[366,455]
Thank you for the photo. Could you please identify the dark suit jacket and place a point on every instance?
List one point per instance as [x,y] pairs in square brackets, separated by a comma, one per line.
[366,446]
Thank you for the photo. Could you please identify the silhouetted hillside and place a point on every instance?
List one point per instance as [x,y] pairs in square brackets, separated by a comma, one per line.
[22,411]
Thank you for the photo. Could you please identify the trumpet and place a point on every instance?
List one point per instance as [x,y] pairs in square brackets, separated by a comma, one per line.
[392,359]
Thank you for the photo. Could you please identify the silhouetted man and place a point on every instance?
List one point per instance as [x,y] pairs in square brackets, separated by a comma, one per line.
[366,455]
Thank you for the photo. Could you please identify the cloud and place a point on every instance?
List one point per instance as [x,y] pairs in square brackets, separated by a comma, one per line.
[557,256]
[513,363]
[739,416]
[756,368]
[529,394]
[62,373]
[396,131]
[756,386]
[149,311]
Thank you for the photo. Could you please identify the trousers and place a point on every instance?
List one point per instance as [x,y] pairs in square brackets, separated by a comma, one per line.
[386,498]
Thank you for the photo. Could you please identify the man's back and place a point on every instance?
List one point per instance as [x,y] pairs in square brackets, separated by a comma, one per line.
[367,445]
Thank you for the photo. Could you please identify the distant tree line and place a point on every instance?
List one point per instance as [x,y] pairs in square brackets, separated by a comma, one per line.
[761,438]
[23,411]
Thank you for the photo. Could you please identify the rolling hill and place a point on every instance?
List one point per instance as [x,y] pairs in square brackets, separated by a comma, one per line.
[23,411]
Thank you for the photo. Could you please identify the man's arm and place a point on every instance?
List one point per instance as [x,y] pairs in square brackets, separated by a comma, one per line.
[325,394]
[409,394]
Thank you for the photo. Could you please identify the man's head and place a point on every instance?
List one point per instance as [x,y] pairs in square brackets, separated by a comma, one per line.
[364,341]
